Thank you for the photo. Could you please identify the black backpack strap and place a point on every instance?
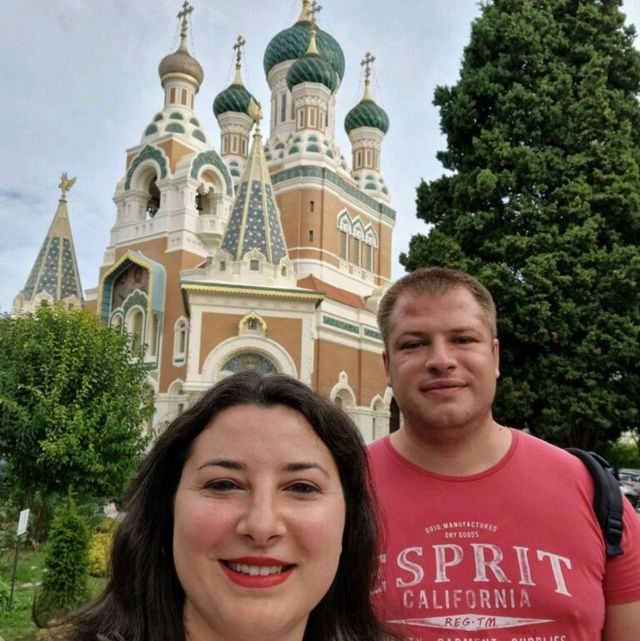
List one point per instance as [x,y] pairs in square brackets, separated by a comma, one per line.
[607,501]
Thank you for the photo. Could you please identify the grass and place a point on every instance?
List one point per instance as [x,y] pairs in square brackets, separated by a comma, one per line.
[17,625]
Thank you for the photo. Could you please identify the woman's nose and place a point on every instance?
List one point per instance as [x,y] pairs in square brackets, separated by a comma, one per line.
[262,518]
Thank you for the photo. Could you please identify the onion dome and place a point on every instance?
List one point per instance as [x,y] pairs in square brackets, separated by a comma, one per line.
[180,62]
[367,113]
[312,68]
[292,43]
[235,97]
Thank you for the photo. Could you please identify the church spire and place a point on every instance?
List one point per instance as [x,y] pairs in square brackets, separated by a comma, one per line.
[54,276]
[255,222]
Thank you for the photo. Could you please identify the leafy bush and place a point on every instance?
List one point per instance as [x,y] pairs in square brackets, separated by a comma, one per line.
[5,589]
[100,548]
[64,583]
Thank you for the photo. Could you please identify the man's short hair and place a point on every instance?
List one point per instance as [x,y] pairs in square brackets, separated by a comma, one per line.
[435,281]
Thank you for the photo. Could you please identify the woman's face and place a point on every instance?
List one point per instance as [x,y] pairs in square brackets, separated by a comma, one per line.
[258,519]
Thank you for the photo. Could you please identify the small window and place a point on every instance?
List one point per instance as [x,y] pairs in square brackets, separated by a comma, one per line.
[155,335]
[358,159]
[368,258]
[300,118]
[283,107]
[344,245]
[223,265]
[254,265]
[183,97]
[311,235]
[312,206]
[180,341]
[135,326]
[172,95]
[355,258]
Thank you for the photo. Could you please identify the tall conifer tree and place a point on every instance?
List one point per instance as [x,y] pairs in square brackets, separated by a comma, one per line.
[542,202]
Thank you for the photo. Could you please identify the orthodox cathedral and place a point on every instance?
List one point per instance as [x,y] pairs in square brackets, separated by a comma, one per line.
[268,251]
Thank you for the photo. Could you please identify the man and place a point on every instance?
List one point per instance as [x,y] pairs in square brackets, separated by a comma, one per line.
[491,533]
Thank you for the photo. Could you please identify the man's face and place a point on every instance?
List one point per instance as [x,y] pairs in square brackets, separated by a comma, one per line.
[441,362]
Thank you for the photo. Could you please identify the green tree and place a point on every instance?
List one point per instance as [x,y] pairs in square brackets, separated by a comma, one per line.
[65,582]
[542,202]
[73,404]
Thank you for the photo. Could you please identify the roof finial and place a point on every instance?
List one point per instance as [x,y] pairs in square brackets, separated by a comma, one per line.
[304,14]
[65,185]
[255,111]
[239,44]
[314,9]
[183,16]
[367,62]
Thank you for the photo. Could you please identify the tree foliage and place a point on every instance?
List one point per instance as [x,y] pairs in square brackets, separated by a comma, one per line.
[73,404]
[65,582]
[542,202]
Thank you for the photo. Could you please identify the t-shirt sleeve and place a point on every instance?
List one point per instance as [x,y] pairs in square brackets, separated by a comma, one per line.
[622,573]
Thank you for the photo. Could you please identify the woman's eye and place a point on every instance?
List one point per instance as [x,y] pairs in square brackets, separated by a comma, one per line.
[221,485]
[301,487]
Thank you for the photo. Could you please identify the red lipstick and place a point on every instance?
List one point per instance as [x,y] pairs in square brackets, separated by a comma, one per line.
[257,572]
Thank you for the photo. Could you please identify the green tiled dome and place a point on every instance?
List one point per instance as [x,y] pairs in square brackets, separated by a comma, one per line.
[234,98]
[292,43]
[367,114]
[312,68]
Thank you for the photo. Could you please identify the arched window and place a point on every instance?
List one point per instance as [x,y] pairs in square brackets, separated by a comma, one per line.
[153,202]
[249,360]
[135,327]
[344,245]
[117,321]
[181,329]
[154,335]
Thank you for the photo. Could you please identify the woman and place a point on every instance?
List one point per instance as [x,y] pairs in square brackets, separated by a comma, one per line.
[250,518]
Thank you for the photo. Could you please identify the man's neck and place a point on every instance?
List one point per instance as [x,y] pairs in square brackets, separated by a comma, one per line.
[461,452]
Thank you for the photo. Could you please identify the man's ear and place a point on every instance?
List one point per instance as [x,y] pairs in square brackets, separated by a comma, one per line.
[496,356]
[385,360]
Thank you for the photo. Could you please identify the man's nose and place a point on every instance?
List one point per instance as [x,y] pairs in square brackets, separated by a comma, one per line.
[440,355]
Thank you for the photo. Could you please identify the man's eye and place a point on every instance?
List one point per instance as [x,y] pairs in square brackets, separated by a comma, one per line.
[410,345]
[464,340]
[301,487]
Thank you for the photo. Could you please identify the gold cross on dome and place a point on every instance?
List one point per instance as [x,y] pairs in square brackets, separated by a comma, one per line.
[65,184]
[367,61]
[240,42]
[314,10]
[183,15]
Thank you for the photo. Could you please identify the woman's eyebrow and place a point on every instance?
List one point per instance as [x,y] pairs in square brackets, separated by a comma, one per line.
[228,464]
[303,466]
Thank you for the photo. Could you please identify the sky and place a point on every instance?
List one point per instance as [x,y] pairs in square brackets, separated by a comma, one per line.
[79,84]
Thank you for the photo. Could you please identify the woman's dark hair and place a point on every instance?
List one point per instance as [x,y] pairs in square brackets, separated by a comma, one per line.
[143,599]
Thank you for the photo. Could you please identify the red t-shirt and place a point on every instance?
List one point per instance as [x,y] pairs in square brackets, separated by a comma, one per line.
[512,554]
